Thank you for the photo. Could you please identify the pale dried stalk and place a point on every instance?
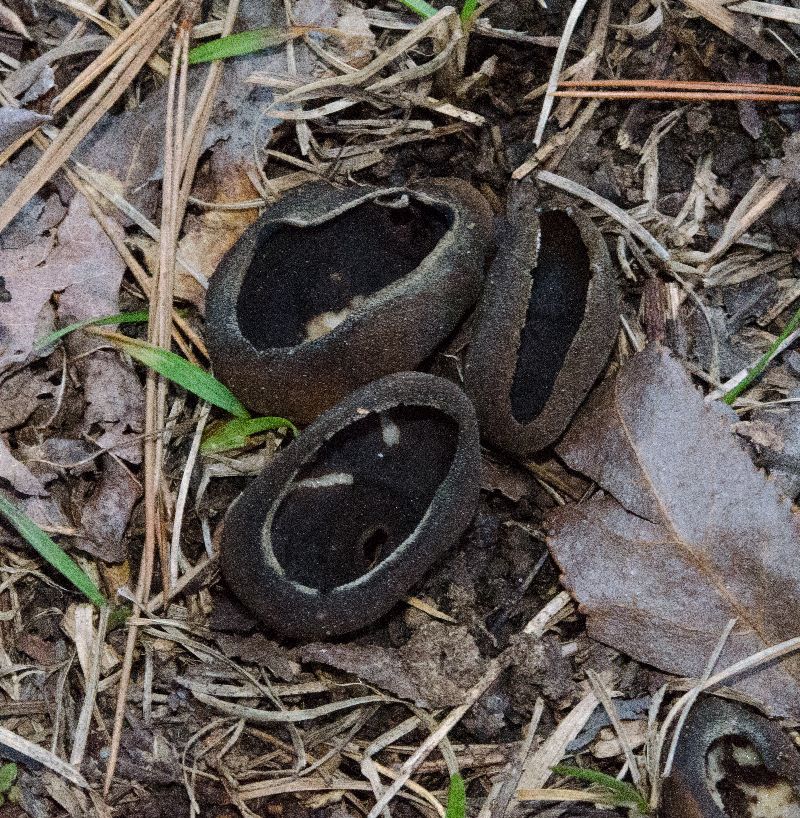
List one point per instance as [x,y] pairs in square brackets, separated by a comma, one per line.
[611,711]
[202,113]
[433,740]
[717,14]
[711,664]
[156,62]
[90,691]
[183,145]
[183,493]
[103,61]
[159,330]
[106,94]
[679,96]
[542,794]
[539,624]
[539,767]
[566,109]
[755,203]
[496,803]
[555,71]
[419,32]
[616,213]
[684,85]
[772,11]
[41,756]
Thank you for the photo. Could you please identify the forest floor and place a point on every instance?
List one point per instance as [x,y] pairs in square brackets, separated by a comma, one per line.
[556,631]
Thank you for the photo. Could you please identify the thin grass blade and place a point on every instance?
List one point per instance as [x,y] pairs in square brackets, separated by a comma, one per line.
[456,798]
[468,10]
[420,7]
[245,42]
[51,552]
[619,792]
[139,317]
[235,433]
[8,775]
[182,372]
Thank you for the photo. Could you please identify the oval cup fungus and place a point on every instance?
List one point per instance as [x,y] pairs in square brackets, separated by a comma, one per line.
[731,761]
[333,288]
[345,520]
[545,328]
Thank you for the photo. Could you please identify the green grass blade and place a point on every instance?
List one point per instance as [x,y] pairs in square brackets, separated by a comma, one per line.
[237,45]
[139,317]
[51,552]
[620,792]
[456,798]
[235,433]
[422,8]
[8,775]
[468,10]
[182,372]
[763,362]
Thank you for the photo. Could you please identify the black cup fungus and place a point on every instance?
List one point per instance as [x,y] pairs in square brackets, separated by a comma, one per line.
[350,516]
[545,328]
[730,760]
[333,288]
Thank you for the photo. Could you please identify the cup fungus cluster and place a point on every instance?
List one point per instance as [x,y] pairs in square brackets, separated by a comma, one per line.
[321,311]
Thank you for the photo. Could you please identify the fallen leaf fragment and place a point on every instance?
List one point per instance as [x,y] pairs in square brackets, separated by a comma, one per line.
[83,265]
[18,474]
[434,669]
[689,534]
[105,515]
[14,122]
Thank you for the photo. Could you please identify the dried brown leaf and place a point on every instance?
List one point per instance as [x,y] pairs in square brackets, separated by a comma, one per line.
[105,515]
[83,266]
[434,669]
[14,122]
[689,535]
[18,474]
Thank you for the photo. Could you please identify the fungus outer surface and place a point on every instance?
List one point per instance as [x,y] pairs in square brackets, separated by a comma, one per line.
[304,281]
[363,494]
[555,311]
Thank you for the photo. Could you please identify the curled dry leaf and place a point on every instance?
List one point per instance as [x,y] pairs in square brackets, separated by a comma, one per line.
[105,514]
[689,534]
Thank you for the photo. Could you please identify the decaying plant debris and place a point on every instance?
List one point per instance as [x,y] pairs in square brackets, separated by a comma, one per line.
[129,168]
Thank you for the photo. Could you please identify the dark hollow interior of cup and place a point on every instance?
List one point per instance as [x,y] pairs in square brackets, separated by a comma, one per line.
[555,311]
[361,497]
[304,281]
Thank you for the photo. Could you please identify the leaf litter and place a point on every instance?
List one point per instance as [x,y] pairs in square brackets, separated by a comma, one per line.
[684,535]
[73,418]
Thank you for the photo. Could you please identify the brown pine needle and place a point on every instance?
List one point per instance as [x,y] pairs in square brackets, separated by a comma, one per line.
[683,85]
[682,96]
[678,90]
